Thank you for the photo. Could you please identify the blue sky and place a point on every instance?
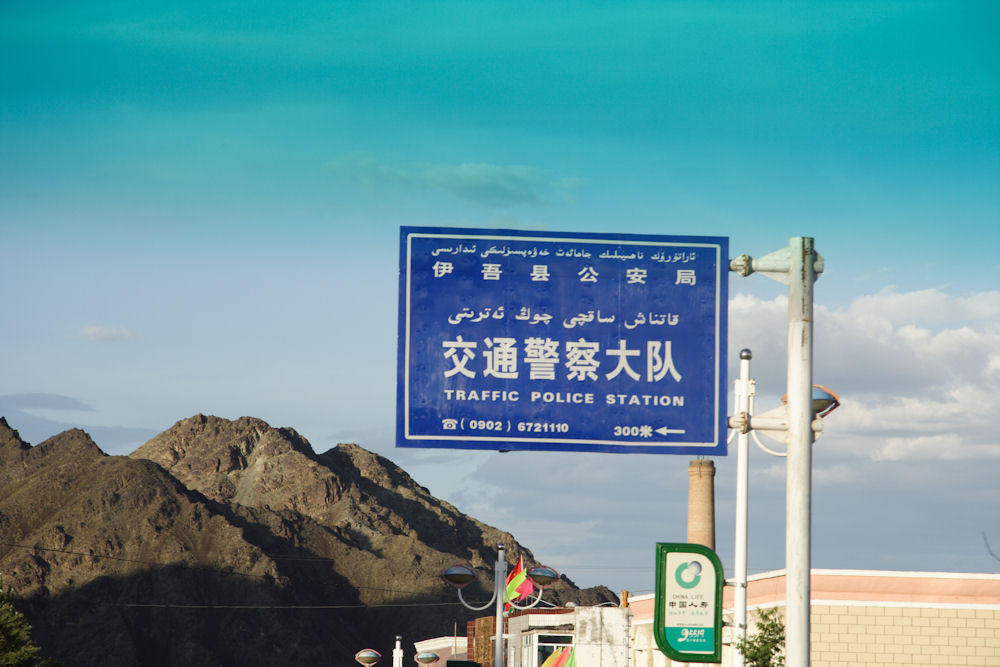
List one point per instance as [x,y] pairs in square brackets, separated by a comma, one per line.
[200,204]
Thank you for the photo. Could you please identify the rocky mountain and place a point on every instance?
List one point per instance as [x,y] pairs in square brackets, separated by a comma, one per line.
[225,542]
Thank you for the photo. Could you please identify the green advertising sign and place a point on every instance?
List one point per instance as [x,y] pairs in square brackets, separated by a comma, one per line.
[688,614]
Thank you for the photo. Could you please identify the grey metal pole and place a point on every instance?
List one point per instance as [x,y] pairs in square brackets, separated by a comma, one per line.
[742,407]
[798,509]
[499,589]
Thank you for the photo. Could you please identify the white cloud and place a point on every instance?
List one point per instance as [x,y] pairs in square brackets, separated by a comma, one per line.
[927,307]
[912,440]
[41,401]
[918,372]
[105,334]
[489,184]
[837,474]
[500,185]
[947,446]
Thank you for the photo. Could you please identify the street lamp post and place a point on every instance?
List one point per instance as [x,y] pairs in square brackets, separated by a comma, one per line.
[745,424]
[744,390]
[460,576]
[397,652]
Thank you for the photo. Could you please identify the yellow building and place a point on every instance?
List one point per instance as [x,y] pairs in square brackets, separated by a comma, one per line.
[863,617]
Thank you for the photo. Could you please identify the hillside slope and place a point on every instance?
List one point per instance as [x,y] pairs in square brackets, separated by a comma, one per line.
[223,542]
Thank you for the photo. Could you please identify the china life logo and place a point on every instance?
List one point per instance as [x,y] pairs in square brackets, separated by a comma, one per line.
[688,575]
[689,605]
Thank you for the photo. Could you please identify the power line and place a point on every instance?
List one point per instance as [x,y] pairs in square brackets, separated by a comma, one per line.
[195,566]
[133,560]
[282,606]
[275,557]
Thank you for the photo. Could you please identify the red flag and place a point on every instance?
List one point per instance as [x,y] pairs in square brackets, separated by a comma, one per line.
[518,584]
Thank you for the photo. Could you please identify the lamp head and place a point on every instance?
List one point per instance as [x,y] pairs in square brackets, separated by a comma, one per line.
[542,576]
[824,401]
[426,657]
[367,656]
[459,576]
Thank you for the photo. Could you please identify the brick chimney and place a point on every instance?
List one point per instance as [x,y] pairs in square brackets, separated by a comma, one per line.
[701,503]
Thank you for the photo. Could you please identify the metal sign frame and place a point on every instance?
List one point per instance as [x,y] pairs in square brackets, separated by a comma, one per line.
[687,619]
[520,340]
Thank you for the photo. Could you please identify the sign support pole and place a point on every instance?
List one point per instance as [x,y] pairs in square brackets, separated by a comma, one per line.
[798,503]
[796,266]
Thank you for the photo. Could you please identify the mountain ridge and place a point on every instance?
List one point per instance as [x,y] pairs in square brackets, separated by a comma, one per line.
[213,512]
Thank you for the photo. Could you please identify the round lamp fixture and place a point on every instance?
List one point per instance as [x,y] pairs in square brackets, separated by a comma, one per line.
[824,401]
[367,656]
[459,576]
[543,576]
[426,657]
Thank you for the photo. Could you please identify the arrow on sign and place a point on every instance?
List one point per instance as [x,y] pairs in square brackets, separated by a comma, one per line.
[663,430]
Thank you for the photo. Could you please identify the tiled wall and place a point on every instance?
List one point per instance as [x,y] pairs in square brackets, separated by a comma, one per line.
[849,635]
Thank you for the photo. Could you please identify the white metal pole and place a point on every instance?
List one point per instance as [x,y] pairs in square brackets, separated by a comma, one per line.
[397,653]
[798,509]
[499,589]
[742,407]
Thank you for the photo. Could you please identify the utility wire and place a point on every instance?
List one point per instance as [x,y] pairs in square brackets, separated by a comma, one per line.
[224,571]
[133,560]
[276,557]
[194,566]
[282,606]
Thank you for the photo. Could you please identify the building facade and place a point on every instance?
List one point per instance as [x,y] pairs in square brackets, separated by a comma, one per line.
[598,635]
[858,618]
[869,618]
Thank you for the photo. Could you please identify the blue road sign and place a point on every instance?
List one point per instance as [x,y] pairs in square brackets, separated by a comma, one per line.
[516,340]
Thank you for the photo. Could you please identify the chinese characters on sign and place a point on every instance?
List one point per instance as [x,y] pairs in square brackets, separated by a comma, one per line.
[526,340]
